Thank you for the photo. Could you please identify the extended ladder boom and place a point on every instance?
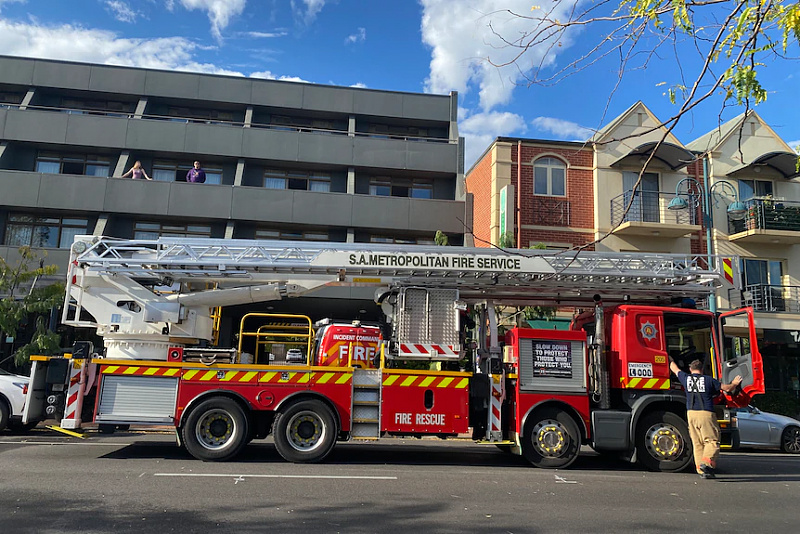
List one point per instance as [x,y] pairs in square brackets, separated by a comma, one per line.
[478,273]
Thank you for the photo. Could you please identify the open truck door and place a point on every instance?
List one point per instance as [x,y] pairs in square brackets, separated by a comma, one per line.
[740,355]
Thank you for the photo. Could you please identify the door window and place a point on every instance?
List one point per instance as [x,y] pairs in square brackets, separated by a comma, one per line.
[644,205]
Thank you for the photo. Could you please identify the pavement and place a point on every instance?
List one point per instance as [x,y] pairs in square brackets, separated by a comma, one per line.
[142,482]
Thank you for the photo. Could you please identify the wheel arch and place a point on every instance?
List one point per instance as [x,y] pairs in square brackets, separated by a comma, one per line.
[651,403]
[300,396]
[246,406]
[562,406]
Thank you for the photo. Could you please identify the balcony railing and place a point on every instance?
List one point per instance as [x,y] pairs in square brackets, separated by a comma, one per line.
[766,298]
[768,214]
[650,207]
[550,211]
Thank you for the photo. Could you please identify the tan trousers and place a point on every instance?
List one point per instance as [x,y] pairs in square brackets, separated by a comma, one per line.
[704,431]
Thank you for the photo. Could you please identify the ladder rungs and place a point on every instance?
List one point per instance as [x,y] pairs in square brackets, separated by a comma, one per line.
[365,421]
[366,386]
[365,438]
[365,403]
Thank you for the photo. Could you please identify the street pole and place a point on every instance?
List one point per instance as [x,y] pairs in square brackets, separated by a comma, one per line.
[709,219]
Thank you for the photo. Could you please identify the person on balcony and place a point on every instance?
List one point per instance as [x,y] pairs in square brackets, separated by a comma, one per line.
[136,172]
[196,174]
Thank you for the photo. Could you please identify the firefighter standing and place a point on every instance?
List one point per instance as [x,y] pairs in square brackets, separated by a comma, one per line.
[703,427]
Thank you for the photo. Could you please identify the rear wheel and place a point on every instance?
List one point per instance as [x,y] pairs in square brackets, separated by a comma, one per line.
[552,439]
[663,443]
[305,431]
[215,430]
[790,440]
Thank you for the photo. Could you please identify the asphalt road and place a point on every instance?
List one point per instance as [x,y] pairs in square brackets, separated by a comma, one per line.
[145,483]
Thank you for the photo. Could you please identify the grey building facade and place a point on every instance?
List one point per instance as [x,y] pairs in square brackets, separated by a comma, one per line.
[284,160]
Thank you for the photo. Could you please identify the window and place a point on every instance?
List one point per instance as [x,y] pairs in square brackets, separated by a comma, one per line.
[399,187]
[762,272]
[291,235]
[549,177]
[97,107]
[182,114]
[754,188]
[689,338]
[46,232]
[50,163]
[300,123]
[388,130]
[10,100]
[154,230]
[297,180]
[402,240]
[170,171]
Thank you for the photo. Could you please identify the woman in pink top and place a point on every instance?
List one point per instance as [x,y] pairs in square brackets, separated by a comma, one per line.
[137,172]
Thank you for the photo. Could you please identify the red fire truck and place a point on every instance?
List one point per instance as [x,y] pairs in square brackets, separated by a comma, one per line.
[538,393]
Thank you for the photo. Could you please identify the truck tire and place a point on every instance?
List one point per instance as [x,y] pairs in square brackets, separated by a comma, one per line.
[552,439]
[215,430]
[4,414]
[663,442]
[305,432]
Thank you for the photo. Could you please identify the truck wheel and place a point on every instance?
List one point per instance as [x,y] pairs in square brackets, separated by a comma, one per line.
[215,430]
[4,415]
[663,443]
[552,439]
[305,432]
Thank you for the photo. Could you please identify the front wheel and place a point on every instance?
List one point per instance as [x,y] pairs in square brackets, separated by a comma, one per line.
[552,439]
[305,432]
[215,430]
[790,440]
[663,442]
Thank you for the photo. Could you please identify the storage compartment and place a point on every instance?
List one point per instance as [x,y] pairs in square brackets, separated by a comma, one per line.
[137,399]
[550,360]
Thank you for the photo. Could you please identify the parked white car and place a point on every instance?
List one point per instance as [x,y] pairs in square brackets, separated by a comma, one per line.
[12,400]
[295,356]
[766,430]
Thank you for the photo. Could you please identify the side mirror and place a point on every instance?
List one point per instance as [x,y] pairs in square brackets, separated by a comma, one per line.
[754,410]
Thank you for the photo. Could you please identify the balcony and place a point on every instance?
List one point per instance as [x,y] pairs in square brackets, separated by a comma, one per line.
[767,221]
[550,211]
[765,298]
[647,215]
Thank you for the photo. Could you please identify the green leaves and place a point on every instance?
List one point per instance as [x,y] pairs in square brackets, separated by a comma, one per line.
[24,293]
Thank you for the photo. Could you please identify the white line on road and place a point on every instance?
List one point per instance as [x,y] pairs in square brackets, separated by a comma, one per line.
[80,443]
[222,475]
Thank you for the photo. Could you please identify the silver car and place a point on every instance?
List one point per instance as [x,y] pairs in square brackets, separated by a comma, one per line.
[765,430]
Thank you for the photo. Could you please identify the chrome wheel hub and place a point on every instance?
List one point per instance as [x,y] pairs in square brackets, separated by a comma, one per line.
[306,431]
[550,438]
[215,430]
[664,442]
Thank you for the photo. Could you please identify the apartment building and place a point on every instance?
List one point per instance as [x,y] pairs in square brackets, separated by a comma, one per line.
[283,160]
[594,183]
[746,155]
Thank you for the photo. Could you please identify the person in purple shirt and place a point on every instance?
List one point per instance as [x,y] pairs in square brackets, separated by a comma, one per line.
[196,174]
[137,172]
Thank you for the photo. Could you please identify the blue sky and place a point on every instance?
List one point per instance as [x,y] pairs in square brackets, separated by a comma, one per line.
[404,45]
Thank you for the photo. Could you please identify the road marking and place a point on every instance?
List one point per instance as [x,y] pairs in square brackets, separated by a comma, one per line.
[242,477]
[562,480]
[64,443]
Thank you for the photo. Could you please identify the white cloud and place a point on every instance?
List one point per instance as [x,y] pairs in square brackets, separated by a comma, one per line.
[220,12]
[359,85]
[480,129]
[359,37]
[562,129]
[75,43]
[460,38]
[121,11]
[307,10]
[264,35]
[268,75]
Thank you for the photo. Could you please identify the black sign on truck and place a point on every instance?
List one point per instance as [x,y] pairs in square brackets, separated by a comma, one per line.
[552,359]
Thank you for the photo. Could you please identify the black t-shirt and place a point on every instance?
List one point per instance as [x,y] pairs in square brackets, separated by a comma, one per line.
[700,391]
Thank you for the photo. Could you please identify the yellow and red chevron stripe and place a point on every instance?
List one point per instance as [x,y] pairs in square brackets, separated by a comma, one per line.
[644,383]
[269,377]
[135,370]
[727,269]
[425,381]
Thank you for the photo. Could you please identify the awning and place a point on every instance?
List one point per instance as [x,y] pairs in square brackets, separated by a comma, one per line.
[783,162]
[673,156]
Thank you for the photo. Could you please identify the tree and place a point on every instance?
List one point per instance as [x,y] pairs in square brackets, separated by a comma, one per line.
[718,48]
[441,239]
[23,295]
